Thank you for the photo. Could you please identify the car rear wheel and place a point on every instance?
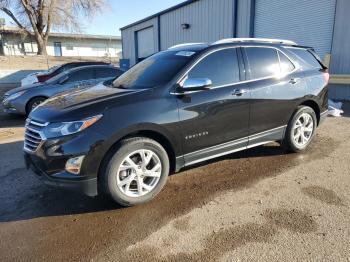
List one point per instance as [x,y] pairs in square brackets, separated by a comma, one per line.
[136,172]
[301,129]
[33,103]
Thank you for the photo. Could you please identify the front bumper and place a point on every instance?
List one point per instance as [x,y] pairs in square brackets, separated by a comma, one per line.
[61,179]
[11,108]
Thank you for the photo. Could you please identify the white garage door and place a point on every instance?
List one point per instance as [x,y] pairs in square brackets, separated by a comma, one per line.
[145,42]
[308,22]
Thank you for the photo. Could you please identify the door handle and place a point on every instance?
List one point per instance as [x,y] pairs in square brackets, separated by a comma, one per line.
[293,81]
[239,92]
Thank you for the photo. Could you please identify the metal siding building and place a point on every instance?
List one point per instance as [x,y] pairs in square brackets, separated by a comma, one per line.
[322,24]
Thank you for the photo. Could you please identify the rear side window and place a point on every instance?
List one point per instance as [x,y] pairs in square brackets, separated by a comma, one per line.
[263,62]
[221,67]
[105,72]
[286,65]
[307,57]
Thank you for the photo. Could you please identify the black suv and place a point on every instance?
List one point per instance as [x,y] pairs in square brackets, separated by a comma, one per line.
[176,108]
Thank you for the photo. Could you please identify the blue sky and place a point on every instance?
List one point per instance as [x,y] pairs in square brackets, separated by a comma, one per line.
[120,13]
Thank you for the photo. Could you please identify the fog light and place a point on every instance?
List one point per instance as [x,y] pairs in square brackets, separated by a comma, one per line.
[73,165]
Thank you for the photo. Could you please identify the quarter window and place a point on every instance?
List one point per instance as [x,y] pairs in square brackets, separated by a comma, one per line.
[307,57]
[286,65]
[263,62]
[221,67]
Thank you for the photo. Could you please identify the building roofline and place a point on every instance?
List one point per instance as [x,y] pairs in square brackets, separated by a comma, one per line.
[188,2]
[15,30]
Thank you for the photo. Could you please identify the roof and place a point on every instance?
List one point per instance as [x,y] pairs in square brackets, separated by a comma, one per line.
[188,2]
[16,30]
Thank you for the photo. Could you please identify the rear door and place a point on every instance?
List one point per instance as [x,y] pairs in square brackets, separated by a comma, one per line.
[276,86]
[214,121]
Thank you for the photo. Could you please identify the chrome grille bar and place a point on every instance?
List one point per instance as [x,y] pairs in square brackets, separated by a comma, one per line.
[33,136]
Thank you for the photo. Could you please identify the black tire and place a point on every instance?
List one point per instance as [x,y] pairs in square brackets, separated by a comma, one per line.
[34,101]
[289,142]
[108,179]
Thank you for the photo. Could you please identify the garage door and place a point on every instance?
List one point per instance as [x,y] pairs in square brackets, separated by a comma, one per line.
[145,43]
[308,22]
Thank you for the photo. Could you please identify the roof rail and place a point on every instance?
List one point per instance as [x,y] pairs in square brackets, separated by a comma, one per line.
[258,40]
[183,45]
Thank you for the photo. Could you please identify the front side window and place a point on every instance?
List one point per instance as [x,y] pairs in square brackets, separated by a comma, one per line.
[221,67]
[80,75]
[105,72]
[263,62]
[154,71]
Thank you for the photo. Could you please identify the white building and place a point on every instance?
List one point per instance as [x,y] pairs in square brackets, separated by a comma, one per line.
[13,42]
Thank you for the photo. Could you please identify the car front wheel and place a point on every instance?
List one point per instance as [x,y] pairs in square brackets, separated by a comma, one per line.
[301,129]
[136,172]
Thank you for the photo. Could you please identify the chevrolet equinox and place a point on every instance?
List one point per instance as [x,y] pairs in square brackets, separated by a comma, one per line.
[179,107]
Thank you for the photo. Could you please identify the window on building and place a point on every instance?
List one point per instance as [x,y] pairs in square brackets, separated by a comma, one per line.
[69,47]
[221,67]
[263,62]
[286,65]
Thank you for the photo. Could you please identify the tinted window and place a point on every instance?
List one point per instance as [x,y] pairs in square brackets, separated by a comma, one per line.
[220,67]
[263,62]
[80,75]
[306,56]
[105,72]
[286,65]
[155,70]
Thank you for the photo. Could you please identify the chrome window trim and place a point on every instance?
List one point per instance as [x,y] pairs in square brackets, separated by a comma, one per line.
[185,75]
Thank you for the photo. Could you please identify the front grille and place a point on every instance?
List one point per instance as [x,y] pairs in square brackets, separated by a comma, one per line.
[33,135]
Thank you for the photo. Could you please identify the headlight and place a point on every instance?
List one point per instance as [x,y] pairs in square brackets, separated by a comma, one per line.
[68,128]
[15,95]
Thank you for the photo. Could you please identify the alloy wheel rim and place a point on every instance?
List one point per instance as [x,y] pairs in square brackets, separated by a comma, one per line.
[139,173]
[303,129]
[36,104]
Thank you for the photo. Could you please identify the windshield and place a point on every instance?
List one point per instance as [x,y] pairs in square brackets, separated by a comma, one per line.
[50,70]
[54,79]
[154,71]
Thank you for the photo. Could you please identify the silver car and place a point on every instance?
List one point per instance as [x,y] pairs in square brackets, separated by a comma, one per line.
[22,100]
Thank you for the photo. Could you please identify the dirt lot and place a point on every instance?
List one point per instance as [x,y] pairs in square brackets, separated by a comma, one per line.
[257,205]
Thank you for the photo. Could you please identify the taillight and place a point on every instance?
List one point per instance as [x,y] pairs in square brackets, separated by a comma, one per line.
[325,74]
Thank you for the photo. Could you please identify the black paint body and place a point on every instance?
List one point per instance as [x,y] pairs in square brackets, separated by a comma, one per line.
[192,127]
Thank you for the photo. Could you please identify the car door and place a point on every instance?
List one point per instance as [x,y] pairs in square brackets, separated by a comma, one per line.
[275,87]
[214,121]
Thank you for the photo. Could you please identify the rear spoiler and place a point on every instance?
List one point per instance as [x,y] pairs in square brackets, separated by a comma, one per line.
[312,51]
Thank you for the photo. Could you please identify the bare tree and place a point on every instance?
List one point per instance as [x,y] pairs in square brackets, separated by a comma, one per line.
[38,17]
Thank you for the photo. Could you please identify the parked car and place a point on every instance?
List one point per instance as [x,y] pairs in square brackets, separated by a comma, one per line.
[177,108]
[23,100]
[40,77]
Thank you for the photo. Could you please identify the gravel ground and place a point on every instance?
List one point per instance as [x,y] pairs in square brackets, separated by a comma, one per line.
[257,205]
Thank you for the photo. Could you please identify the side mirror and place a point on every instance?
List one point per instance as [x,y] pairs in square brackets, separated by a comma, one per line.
[63,80]
[194,84]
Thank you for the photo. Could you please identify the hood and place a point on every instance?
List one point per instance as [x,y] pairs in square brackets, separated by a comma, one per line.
[23,88]
[79,103]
